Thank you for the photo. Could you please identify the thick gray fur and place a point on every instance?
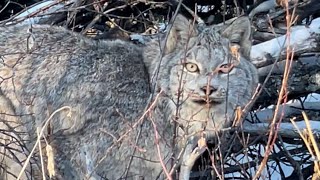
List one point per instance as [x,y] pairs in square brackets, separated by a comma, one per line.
[106,85]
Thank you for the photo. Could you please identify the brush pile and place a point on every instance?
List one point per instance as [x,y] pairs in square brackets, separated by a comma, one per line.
[286,49]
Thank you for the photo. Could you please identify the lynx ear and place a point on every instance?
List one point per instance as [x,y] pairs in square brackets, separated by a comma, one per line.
[239,32]
[182,29]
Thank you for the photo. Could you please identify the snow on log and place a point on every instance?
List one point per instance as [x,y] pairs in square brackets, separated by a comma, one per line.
[302,39]
[37,12]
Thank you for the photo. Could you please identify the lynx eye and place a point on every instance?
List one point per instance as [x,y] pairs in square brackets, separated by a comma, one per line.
[191,67]
[226,68]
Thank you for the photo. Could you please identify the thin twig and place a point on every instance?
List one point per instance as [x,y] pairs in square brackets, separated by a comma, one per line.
[39,137]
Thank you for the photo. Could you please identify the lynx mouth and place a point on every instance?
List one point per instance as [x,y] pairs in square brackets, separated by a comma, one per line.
[210,101]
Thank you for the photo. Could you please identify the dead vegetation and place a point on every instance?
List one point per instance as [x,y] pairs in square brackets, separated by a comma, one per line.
[257,148]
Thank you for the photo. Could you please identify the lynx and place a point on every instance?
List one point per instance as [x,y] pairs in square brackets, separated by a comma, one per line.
[93,98]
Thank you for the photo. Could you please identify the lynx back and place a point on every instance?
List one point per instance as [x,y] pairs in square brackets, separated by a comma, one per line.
[101,88]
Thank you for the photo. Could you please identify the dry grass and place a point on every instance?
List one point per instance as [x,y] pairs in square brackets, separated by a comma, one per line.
[245,140]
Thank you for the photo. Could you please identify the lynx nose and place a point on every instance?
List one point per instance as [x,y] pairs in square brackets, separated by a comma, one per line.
[208,90]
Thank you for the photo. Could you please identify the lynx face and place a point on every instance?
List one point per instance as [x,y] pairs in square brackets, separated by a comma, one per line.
[202,80]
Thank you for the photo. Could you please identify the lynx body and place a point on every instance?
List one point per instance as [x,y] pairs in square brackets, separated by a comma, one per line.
[95,96]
